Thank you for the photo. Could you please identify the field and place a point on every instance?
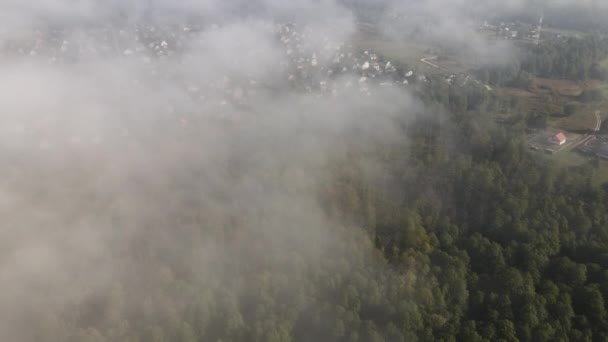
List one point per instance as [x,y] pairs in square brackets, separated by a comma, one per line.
[564,32]
[410,52]
[518,92]
[604,89]
[550,95]
[544,95]
[570,159]
[583,120]
[564,87]
[601,175]
[573,159]
[402,52]
[604,64]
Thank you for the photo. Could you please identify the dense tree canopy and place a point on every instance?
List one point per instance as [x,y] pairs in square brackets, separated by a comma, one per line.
[576,59]
[572,58]
[459,234]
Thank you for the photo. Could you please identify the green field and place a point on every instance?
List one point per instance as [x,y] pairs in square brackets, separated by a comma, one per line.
[604,90]
[601,175]
[409,52]
[568,159]
[565,32]
[604,63]
[402,52]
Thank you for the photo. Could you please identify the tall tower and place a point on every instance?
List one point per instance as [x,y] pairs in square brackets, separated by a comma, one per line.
[540,27]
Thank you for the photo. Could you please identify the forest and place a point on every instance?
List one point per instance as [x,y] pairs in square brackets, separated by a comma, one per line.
[571,58]
[471,238]
[174,208]
[576,59]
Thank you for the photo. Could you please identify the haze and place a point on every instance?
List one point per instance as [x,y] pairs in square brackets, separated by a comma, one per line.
[169,167]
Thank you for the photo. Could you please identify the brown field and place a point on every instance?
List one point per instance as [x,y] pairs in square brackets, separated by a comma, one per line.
[517,92]
[563,87]
[545,86]
[549,96]
[583,120]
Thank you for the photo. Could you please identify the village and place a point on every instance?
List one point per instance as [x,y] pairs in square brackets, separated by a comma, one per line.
[311,71]
[337,67]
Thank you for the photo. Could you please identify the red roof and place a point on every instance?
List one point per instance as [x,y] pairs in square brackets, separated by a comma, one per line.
[560,137]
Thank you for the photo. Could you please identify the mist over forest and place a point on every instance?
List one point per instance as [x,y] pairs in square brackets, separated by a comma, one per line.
[327,170]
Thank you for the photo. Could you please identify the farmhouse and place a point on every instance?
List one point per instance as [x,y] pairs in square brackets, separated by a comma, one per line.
[558,139]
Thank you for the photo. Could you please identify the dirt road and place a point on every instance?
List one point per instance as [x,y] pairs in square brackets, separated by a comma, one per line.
[432,58]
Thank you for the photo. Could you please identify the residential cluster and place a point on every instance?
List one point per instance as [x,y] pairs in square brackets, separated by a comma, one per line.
[336,65]
[312,64]
[511,30]
[58,45]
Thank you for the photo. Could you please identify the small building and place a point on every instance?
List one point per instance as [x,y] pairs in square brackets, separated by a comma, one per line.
[558,139]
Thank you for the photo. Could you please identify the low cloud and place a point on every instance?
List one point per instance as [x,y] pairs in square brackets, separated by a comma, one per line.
[141,153]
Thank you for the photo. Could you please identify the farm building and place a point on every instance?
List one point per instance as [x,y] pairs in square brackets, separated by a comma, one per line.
[558,139]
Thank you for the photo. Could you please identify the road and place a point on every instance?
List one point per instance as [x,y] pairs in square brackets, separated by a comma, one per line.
[589,136]
[432,58]
[584,140]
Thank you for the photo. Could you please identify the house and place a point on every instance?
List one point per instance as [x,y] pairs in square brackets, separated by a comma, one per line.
[558,139]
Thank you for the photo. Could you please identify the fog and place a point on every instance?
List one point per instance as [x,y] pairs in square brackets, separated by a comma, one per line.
[122,167]
[161,140]
[453,24]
